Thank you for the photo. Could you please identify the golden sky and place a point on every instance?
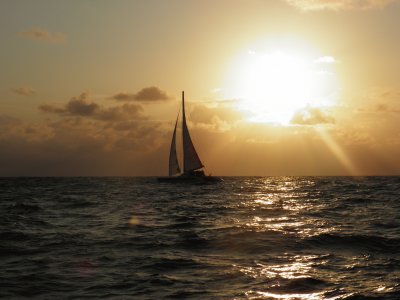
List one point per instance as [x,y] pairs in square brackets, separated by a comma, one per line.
[273,87]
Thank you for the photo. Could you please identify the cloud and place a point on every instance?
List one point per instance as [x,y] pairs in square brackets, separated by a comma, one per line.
[382,107]
[123,112]
[12,128]
[311,116]
[24,91]
[220,118]
[49,108]
[150,94]
[338,5]
[86,146]
[380,100]
[103,144]
[39,34]
[78,106]
[7,120]
[81,106]
[385,108]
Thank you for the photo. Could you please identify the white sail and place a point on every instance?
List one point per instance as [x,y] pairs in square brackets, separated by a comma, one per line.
[191,160]
[173,159]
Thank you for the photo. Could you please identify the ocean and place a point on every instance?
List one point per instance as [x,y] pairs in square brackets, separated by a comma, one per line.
[244,238]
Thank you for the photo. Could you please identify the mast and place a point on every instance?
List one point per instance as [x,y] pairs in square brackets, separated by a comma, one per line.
[191,160]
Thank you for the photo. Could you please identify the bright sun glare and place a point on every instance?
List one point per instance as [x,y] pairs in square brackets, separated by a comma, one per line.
[273,85]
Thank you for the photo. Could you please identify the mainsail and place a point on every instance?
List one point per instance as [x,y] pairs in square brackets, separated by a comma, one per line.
[191,160]
[173,159]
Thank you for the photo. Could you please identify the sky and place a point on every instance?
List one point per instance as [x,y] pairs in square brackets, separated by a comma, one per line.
[272,87]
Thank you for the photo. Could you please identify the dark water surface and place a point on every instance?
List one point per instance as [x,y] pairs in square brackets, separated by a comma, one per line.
[245,238]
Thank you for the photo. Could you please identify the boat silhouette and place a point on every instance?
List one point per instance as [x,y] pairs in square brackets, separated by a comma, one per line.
[193,168]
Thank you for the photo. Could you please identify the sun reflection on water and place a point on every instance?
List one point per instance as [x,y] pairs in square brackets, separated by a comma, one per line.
[280,276]
[281,205]
[309,296]
[300,266]
[295,231]
[288,207]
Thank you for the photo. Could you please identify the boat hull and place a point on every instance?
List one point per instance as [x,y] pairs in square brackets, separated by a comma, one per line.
[190,179]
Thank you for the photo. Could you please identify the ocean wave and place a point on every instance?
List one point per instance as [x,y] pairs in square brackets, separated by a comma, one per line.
[265,238]
[299,285]
[24,208]
[356,242]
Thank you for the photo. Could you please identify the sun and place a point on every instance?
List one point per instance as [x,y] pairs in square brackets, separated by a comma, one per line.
[272,85]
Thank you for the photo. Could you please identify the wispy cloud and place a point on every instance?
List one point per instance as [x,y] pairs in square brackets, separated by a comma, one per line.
[337,5]
[24,91]
[379,101]
[39,34]
[380,108]
[150,94]
[311,116]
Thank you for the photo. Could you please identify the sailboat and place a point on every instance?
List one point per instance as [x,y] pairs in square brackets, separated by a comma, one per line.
[193,168]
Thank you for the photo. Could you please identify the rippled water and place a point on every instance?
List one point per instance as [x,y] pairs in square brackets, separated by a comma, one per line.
[245,238]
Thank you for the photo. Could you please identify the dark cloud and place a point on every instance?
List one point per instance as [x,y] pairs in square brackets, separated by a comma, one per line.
[152,93]
[6,120]
[124,112]
[48,108]
[385,108]
[86,139]
[24,91]
[311,116]
[309,5]
[81,106]
[78,106]
[40,34]
[124,97]
[81,146]
[149,94]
